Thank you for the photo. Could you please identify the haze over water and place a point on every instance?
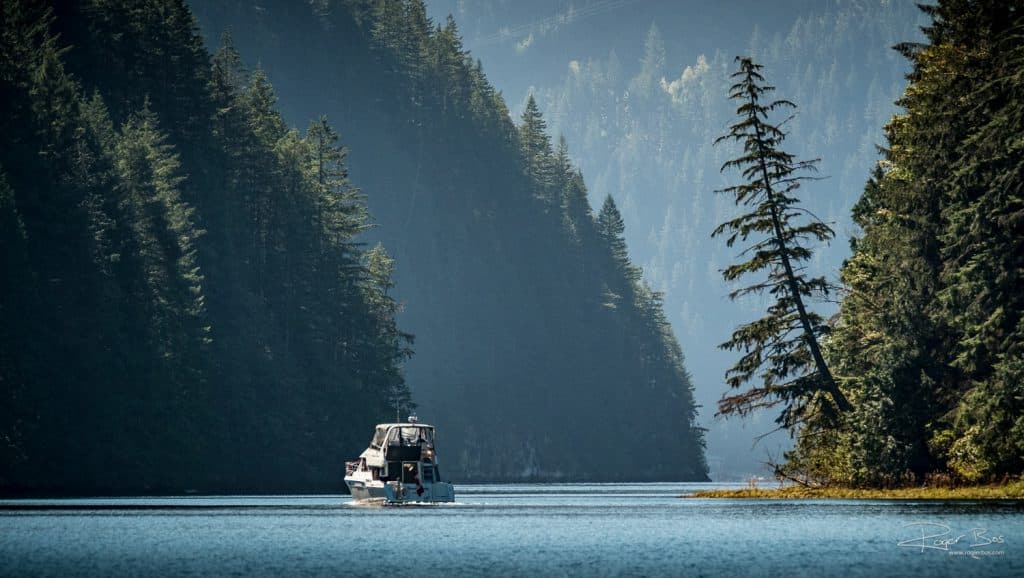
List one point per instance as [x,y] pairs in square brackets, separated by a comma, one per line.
[551,529]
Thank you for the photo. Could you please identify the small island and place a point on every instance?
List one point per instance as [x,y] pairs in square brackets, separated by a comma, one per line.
[1007,491]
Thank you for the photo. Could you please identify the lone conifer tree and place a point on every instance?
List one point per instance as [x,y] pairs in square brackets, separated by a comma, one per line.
[781,349]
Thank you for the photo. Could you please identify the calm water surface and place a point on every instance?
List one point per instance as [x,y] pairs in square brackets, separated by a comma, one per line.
[558,529]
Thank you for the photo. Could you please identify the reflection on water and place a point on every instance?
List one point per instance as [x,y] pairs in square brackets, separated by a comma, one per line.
[521,529]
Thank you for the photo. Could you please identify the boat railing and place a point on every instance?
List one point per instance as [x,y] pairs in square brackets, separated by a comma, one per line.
[351,467]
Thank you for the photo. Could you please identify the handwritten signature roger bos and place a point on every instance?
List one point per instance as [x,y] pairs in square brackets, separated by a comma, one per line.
[976,543]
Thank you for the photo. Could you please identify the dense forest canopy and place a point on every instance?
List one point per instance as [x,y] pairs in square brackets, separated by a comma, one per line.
[193,300]
[535,336]
[186,304]
[929,339]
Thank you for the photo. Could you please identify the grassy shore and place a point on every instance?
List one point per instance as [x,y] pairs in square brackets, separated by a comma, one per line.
[1011,491]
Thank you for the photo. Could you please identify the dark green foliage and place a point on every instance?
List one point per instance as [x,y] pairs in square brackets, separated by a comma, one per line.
[780,350]
[165,237]
[611,230]
[983,244]
[502,270]
[13,265]
[188,304]
[929,338]
[534,269]
[536,151]
[611,233]
[185,304]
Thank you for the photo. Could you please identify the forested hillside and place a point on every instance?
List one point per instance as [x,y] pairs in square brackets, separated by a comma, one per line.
[195,297]
[539,352]
[929,341]
[185,303]
[641,108]
[190,298]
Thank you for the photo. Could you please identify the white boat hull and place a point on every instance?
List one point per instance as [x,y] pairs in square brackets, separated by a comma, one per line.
[363,493]
[397,493]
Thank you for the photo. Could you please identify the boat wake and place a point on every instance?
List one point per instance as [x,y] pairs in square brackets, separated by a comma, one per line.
[371,504]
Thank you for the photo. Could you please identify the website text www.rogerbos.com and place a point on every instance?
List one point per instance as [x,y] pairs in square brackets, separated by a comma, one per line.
[975,543]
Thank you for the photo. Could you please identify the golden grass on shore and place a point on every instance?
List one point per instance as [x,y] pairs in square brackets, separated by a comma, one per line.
[1011,491]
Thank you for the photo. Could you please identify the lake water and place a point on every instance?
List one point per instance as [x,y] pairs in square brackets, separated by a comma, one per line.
[534,530]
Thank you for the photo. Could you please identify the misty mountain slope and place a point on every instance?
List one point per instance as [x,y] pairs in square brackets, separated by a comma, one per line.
[639,90]
[538,353]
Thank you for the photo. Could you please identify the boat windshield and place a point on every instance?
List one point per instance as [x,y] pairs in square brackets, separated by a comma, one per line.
[411,436]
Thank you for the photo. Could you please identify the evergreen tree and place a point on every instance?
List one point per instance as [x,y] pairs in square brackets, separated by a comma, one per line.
[227,77]
[611,230]
[781,349]
[341,212]
[983,237]
[165,237]
[652,65]
[928,336]
[387,30]
[380,269]
[883,346]
[453,68]
[535,148]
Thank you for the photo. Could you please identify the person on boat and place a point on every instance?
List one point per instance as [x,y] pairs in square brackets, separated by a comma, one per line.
[419,486]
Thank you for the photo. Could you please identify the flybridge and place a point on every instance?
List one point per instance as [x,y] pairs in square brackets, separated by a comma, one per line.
[400,466]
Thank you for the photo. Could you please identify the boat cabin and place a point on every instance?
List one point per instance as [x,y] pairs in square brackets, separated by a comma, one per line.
[400,466]
[402,452]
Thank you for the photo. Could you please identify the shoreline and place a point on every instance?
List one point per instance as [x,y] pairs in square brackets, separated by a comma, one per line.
[1010,491]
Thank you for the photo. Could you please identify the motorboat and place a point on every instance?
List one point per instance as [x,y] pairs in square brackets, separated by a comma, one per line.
[399,467]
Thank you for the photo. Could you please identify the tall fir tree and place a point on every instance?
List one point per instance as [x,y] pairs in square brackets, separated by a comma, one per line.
[780,350]
[535,148]
[611,230]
